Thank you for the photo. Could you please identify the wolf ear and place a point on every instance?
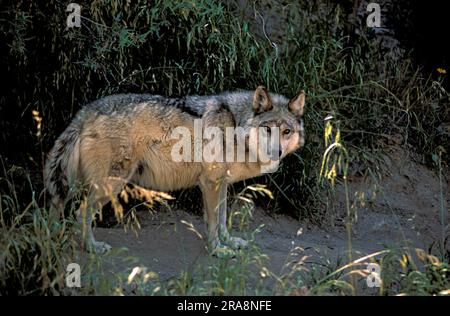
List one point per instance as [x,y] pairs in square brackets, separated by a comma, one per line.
[261,100]
[297,104]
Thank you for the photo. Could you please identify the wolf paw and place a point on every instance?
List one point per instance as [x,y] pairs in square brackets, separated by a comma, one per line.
[237,243]
[223,251]
[99,247]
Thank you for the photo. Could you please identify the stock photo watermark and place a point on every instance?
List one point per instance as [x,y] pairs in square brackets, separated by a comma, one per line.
[74,17]
[73,275]
[374,18]
[236,144]
[374,277]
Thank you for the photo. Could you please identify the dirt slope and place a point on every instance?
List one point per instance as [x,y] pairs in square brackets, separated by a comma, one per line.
[401,209]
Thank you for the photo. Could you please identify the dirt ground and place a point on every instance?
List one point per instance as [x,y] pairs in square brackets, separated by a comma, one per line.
[402,209]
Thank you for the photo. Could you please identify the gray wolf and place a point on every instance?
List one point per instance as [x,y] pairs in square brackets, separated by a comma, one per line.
[127,138]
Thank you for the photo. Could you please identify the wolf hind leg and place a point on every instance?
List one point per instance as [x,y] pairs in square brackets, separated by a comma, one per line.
[85,218]
[56,209]
[98,196]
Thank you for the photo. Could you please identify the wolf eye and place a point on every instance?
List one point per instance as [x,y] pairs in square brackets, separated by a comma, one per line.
[287,131]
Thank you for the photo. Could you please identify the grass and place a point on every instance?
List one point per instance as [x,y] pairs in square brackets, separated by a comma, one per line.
[188,47]
[36,249]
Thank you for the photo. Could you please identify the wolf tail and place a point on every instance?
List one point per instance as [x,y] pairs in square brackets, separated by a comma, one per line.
[61,168]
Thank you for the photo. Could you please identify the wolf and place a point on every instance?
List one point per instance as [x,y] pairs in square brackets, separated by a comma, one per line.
[128,138]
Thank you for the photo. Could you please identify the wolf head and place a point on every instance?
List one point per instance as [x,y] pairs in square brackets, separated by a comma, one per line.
[279,122]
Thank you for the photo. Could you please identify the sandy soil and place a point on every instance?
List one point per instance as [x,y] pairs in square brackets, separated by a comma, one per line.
[402,209]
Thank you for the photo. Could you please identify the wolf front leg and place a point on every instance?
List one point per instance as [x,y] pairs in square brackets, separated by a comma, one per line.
[211,191]
[224,235]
